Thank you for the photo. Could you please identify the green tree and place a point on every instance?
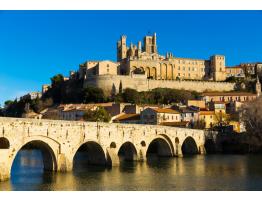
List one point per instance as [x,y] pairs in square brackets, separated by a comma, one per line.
[1,111]
[8,103]
[98,115]
[57,80]
[130,96]
[93,95]
[120,87]
[56,90]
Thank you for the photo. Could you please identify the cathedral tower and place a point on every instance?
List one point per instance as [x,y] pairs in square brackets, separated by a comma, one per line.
[150,45]
[121,48]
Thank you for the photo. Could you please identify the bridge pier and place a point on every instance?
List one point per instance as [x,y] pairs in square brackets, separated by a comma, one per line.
[202,150]
[141,155]
[112,158]
[5,169]
[178,151]
[63,164]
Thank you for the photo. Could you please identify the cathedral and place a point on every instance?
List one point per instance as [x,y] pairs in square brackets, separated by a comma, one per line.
[144,58]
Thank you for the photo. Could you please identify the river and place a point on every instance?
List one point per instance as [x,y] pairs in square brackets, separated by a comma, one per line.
[198,172]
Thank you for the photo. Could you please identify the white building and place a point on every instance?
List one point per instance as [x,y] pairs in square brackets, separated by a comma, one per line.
[159,116]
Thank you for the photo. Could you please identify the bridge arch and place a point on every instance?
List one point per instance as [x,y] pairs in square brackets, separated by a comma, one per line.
[45,145]
[127,152]
[189,146]
[4,143]
[89,153]
[160,146]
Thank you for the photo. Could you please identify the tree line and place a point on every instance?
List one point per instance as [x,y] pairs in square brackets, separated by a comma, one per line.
[71,91]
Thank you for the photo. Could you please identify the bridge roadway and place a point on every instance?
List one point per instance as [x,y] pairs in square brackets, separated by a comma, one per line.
[104,143]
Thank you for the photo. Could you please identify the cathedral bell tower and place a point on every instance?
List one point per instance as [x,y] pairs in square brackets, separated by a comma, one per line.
[258,87]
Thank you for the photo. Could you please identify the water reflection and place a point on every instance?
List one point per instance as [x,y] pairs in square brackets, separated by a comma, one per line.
[211,172]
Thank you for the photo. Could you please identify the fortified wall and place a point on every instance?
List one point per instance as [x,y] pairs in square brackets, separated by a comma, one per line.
[110,84]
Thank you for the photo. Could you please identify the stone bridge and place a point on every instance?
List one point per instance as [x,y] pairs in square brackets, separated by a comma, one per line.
[104,143]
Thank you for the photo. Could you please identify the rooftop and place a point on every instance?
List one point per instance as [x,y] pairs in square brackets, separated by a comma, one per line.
[228,94]
[207,112]
[165,110]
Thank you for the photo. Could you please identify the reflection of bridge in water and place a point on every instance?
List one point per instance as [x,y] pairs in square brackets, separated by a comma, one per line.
[100,143]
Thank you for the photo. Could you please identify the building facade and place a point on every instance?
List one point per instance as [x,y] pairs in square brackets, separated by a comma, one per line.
[145,59]
[159,116]
[228,96]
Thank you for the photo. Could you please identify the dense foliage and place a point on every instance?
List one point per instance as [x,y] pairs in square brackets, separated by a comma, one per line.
[98,115]
[252,117]
[156,96]
[71,91]
[243,84]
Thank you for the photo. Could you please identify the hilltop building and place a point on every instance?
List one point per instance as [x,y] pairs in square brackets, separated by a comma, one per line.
[143,68]
[145,59]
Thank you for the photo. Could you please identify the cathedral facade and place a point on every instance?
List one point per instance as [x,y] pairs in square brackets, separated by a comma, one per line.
[145,59]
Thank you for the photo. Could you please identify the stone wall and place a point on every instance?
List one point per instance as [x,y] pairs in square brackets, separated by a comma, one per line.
[110,84]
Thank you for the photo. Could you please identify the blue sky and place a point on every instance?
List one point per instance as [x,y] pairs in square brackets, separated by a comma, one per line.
[35,45]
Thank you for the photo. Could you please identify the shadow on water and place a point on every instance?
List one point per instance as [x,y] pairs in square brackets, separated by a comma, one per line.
[192,172]
[28,173]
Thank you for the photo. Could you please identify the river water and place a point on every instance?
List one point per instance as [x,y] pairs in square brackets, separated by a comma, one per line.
[198,172]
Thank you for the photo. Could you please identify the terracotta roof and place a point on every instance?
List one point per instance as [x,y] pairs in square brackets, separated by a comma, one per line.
[206,113]
[128,117]
[180,123]
[228,94]
[165,110]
